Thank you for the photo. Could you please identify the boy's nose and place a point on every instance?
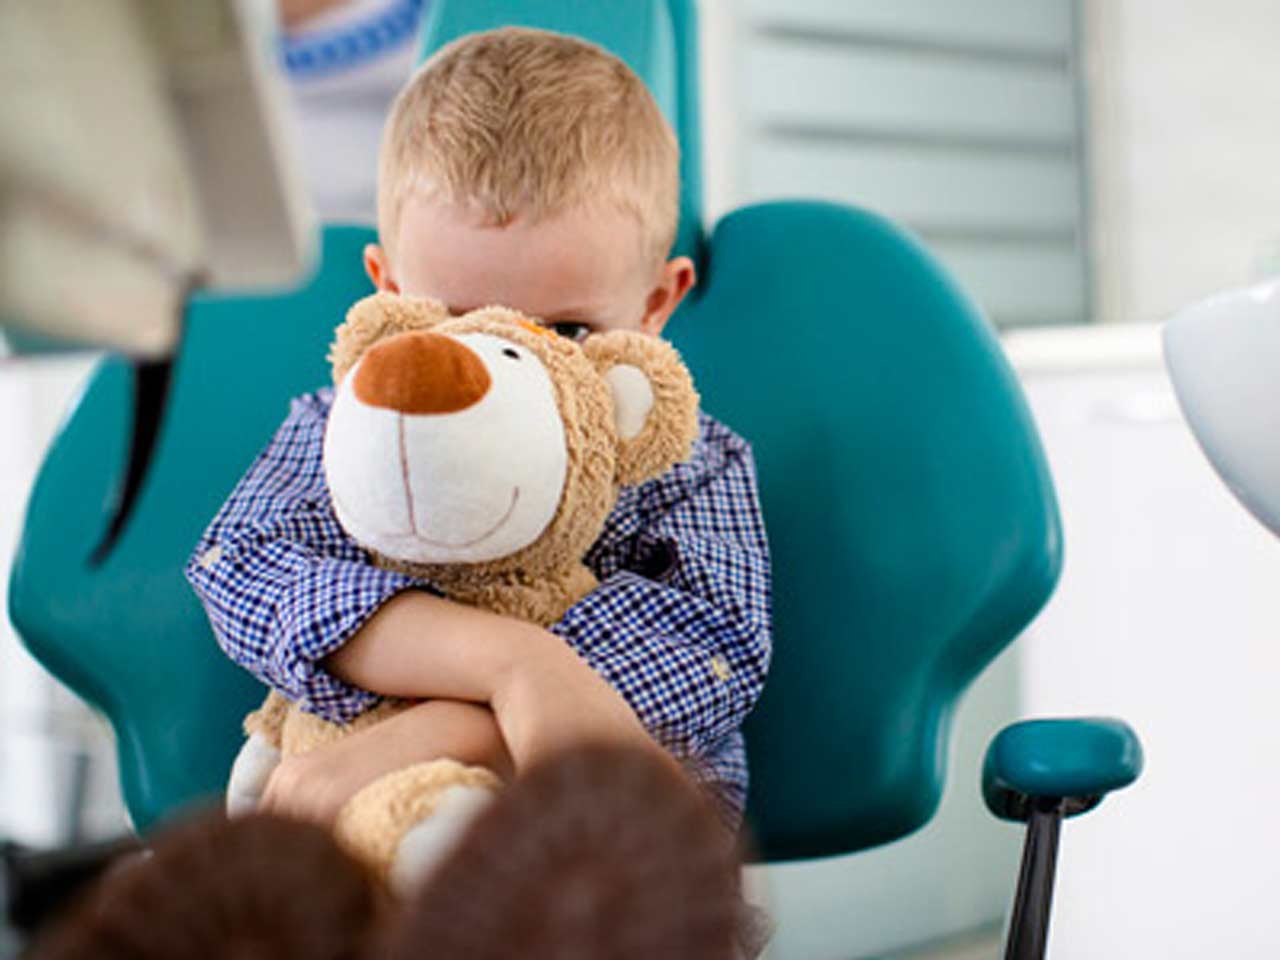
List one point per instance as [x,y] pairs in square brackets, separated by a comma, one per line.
[421,372]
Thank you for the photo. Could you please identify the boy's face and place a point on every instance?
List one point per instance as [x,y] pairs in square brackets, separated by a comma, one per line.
[581,272]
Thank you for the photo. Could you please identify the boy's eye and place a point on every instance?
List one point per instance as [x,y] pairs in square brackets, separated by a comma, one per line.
[570,330]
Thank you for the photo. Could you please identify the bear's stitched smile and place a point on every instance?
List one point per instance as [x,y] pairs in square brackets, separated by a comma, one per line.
[515,496]
[413,520]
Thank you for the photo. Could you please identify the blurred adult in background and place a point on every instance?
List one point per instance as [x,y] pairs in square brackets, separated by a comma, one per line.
[346,60]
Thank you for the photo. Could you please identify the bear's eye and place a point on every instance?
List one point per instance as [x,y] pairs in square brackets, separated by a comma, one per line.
[509,352]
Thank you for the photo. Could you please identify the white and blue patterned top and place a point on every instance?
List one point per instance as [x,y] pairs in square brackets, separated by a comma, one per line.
[350,36]
[679,626]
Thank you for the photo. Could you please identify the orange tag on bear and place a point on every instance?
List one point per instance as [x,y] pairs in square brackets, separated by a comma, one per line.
[535,328]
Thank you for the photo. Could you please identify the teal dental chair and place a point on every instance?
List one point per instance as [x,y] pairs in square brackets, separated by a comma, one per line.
[912,518]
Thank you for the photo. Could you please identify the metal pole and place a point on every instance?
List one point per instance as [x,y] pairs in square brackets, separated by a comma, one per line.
[1029,925]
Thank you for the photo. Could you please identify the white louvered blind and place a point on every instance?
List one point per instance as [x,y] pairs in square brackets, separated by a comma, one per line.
[958,118]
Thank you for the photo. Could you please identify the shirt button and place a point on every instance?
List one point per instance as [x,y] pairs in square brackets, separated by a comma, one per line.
[210,557]
[720,667]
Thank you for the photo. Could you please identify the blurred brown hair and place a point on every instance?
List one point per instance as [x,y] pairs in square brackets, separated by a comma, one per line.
[253,888]
[600,852]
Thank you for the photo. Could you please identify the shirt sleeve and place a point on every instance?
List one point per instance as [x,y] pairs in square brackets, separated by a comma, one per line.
[282,583]
[680,624]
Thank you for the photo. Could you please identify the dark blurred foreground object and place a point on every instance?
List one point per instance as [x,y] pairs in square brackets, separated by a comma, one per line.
[38,884]
[603,852]
[255,887]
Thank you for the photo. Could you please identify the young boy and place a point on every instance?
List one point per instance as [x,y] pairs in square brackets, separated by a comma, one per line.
[532,170]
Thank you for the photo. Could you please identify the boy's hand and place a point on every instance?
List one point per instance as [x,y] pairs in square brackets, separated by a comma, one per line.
[551,700]
[315,785]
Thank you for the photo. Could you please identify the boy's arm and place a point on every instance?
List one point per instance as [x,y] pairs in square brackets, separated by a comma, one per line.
[316,784]
[685,634]
[281,582]
[544,696]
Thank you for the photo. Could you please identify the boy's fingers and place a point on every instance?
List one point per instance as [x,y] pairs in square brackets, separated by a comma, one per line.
[298,791]
[271,796]
[286,794]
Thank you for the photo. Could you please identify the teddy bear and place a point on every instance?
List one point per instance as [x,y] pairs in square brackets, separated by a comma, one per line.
[481,453]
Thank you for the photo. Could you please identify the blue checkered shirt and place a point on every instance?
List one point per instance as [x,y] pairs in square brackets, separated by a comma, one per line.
[679,625]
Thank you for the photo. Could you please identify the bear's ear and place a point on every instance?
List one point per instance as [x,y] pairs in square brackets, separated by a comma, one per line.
[655,406]
[376,317]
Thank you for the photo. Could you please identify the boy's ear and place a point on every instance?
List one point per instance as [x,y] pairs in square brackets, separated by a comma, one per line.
[376,317]
[655,406]
[378,267]
[677,279]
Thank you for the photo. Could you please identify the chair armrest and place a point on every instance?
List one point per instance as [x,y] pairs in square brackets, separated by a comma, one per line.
[1075,760]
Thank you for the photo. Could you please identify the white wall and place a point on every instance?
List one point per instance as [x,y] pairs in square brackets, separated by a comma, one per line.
[1166,616]
[1185,161]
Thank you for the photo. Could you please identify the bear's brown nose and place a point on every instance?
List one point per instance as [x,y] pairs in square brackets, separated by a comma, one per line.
[421,372]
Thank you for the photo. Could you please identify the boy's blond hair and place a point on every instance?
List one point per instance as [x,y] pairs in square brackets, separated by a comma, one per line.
[527,122]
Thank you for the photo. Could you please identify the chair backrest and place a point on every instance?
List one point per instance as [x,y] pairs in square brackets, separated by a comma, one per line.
[911,516]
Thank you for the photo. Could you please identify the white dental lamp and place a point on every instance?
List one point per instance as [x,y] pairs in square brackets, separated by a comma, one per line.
[1223,356]
[144,155]
[143,151]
